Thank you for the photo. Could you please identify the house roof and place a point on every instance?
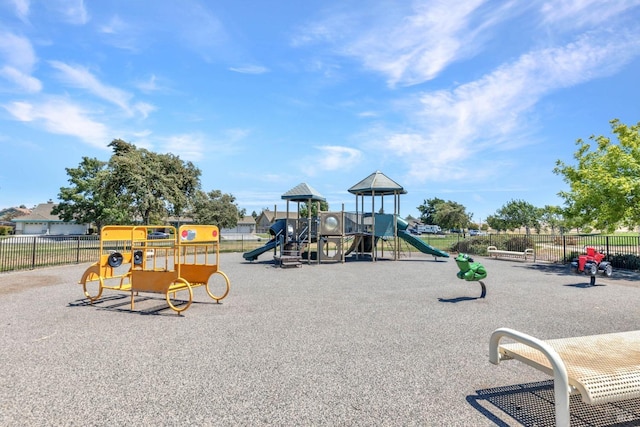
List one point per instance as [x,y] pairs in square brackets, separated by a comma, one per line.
[377,183]
[272,216]
[41,213]
[302,193]
[247,220]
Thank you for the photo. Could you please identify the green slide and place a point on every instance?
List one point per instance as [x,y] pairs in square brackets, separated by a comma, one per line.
[417,242]
[421,245]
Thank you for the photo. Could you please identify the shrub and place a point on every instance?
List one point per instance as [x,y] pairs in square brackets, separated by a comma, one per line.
[476,246]
[518,244]
[625,261]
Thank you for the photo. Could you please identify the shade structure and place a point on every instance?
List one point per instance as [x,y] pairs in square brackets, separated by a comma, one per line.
[303,192]
[377,183]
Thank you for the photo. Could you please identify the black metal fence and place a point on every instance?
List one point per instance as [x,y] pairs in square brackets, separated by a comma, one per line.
[29,252]
[622,251]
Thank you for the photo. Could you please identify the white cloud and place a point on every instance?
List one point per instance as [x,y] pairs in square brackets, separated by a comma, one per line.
[114,26]
[150,85]
[80,77]
[144,109]
[62,117]
[17,51]
[22,8]
[20,59]
[187,146]
[333,157]
[73,11]
[24,82]
[408,44]
[578,13]
[250,69]
[451,126]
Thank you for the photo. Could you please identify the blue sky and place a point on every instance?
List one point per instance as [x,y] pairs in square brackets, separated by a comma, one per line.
[471,100]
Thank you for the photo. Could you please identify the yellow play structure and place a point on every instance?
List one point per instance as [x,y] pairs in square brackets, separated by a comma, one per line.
[144,259]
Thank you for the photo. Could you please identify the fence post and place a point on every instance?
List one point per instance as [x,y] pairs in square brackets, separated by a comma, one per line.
[564,248]
[33,254]
[78,250]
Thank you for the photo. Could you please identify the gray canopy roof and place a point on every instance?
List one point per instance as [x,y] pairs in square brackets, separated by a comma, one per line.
[377,183]
[303,193]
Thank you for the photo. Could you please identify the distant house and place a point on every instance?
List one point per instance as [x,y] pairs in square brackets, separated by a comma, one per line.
[246,225]
[10,213]
[42,221]
[267,218]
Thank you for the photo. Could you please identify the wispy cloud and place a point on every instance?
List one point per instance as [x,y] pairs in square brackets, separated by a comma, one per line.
[330,158]
[578,13]
[250,69]
[20,59]
[23,82]
[73,11]
[407,45]
[187,146]
[79,77]
[22,9]
[450,126]
[62,117]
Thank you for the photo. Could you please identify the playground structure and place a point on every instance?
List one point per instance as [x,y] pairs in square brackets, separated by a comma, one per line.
[133,260]
[332,236]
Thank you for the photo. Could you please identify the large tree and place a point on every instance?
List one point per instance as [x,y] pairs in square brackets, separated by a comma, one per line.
[153,185]
[447,214]
[87,199]
[428,209]
[217,208]
[605,182]
[140,185]
[516,214]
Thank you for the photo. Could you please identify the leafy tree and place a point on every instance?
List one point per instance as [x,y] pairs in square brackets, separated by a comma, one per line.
[87,200]
[304,212]
[428,210]
[518,213]
[217,208]
[139,184]
[451,215]
[152,185]
[553,217]
[605,183]
[254,214]
[497,223]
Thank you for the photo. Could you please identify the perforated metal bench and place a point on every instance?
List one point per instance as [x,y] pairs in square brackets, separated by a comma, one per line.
[602,368]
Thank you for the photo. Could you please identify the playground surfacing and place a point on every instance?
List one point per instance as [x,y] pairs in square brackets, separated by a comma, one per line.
[362,343]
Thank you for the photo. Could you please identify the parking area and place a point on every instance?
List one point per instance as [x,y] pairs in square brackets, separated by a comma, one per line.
[386,343]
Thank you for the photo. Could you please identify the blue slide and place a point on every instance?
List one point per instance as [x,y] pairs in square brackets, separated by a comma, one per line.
[253,255]
[275,229]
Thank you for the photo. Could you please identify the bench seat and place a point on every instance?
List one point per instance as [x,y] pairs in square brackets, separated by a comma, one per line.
[527,253]
[602,368]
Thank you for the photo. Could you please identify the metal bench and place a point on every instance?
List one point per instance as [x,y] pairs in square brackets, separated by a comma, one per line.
[602,368]
[527,253]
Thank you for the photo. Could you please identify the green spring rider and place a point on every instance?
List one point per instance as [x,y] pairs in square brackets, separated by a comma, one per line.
[471,271]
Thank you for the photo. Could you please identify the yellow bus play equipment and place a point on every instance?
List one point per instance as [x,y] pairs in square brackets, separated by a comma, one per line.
[144,259]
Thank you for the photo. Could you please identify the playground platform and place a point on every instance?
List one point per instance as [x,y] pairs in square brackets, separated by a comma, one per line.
[363,344]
